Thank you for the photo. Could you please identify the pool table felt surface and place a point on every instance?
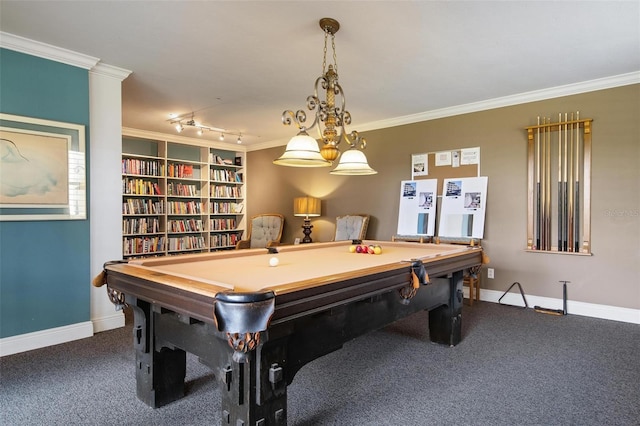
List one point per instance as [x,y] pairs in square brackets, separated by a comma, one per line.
[299,266]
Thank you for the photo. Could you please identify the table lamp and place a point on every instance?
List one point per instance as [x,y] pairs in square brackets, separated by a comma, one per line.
[307,207]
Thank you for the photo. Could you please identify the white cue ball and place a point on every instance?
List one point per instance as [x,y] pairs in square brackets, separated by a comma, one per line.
[273,261]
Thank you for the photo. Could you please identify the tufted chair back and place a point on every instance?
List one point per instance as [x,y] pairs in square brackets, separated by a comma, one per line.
[351,227]
[265,230]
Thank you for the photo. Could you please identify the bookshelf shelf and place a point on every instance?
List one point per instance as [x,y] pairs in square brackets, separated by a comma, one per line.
[180,195]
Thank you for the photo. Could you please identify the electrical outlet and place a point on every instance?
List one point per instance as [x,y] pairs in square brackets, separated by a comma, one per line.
[490,273]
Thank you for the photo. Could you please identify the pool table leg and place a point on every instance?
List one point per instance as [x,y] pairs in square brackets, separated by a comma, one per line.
[255,392]
[445,322]
[159,374]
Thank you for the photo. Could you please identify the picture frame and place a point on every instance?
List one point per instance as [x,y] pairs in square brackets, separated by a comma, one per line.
[42,169]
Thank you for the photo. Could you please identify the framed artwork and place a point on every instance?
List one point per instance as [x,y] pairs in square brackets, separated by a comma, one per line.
[42,169]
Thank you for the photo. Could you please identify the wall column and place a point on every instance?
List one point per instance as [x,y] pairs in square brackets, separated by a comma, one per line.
[105,211]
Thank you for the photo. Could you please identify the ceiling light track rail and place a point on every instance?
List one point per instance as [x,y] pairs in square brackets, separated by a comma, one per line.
[181,122]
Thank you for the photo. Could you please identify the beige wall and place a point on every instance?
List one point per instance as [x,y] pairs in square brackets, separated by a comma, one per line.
[610,277]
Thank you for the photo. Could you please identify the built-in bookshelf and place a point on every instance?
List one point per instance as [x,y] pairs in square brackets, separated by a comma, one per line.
[180,195]
[226,198]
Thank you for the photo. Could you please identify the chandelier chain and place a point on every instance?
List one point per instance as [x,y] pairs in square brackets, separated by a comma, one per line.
[333,48]
[335,57]
[324,56]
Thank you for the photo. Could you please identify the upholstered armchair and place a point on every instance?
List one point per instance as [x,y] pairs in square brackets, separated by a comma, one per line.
[351,227]
[265,230]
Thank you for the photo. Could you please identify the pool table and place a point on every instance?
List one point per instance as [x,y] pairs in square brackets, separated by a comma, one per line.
[255,325]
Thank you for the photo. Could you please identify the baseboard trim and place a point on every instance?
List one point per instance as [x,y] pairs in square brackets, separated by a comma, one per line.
[613,313]
[109,322]
[40,339]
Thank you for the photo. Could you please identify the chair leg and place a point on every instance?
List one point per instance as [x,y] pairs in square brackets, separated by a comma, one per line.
[474,288]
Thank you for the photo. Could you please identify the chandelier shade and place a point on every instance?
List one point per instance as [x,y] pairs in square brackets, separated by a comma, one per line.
[302,151]
[353,162]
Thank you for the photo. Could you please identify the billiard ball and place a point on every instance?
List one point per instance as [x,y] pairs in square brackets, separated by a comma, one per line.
[273,261]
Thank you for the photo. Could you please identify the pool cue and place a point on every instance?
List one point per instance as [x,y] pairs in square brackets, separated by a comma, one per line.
[545,205]
[576,221]
[548,189]
[543,244]
[570,190]
[538,196]
[565,210]
[559,186]
[560,199]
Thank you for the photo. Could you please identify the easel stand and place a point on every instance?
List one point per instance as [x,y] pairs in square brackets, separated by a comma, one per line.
[526,305]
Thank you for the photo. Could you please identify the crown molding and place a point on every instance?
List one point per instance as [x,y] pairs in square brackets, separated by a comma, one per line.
[110,71]
[268,144]
[521,98]
[46,51]
[58,54]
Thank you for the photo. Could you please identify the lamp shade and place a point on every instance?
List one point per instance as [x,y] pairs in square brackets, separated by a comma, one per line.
[353,162]
[306,206]
[302,151]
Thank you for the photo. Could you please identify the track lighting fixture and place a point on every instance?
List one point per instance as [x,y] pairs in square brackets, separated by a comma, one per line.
[181,122]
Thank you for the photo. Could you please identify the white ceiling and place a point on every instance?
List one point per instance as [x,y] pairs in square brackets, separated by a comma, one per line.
[240,64]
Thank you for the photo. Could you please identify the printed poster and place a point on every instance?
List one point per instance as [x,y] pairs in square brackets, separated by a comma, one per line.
[463,207]
[417,212]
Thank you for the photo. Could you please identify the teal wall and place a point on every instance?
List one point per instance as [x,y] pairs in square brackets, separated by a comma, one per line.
[44,265]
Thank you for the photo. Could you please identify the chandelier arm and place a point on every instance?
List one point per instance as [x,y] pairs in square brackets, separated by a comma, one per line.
[298,118]
[343,103]
[354,139]
[322,82]
[343,117]
[313,102]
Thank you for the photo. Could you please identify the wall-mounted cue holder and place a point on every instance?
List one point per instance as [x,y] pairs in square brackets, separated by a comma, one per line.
[559,185]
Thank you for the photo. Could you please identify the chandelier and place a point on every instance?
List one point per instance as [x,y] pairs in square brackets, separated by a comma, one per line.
[329,120]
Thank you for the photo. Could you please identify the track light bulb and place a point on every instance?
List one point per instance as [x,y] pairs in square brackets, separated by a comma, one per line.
[221,136]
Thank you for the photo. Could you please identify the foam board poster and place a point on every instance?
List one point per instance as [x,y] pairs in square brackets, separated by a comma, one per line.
[417,212]
[463,207]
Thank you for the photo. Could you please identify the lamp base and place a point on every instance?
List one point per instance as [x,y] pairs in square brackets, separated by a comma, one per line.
[307,231]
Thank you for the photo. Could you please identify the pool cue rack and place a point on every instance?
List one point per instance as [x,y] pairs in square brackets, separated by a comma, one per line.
[559,185]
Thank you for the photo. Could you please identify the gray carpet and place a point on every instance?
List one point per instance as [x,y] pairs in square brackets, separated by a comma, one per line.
[513,367]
